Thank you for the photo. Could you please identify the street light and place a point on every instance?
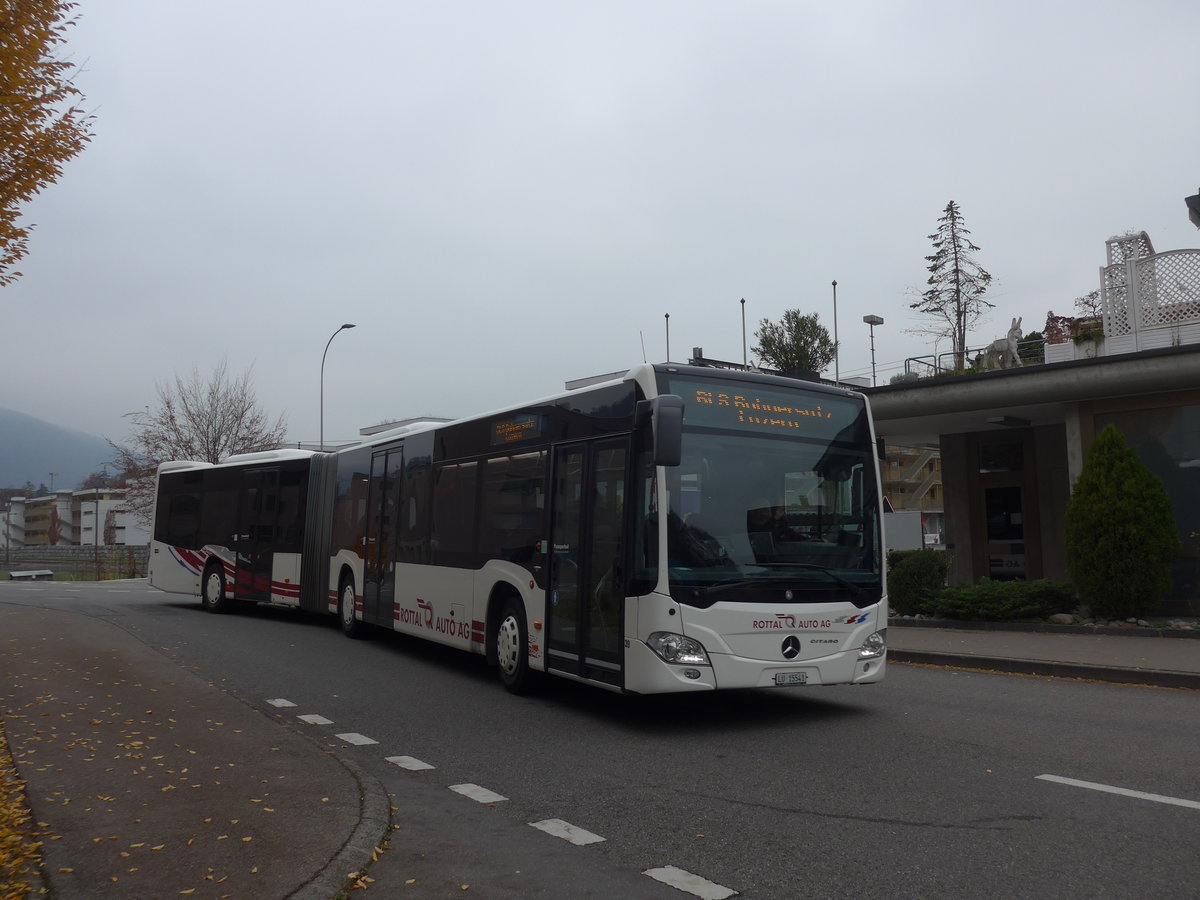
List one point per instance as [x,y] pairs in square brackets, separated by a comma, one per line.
[873,321]
[837,376]
[327,343]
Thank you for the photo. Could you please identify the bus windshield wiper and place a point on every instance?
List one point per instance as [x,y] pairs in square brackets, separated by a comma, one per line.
[824,570]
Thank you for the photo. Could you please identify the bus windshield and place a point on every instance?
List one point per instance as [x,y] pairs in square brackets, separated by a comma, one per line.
[776,487]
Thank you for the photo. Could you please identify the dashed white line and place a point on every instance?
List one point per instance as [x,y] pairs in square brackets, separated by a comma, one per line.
[1124,792]
[692,884]
[313,719]
[280,702]
[567,831]
[408,762]
[358,740]
[477,793]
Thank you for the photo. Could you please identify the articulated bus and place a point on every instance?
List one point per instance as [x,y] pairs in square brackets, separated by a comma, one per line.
[671,528]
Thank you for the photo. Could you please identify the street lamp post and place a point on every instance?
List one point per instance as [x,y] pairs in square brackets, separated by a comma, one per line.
[745,359]
[327,343]
[837,376]
[873,321]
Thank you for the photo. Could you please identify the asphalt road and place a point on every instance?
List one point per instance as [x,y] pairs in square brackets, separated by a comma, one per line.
[928,785]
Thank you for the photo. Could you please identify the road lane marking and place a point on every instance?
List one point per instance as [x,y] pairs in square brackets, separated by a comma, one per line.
[281,702]
[314,719]
[358,740]
[568,832]
[408,762]
[477,793]
[692,884]
[1124,792]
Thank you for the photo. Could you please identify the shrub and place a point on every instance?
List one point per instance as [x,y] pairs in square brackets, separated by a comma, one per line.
[914,578]
[1119,531]
[1003,601]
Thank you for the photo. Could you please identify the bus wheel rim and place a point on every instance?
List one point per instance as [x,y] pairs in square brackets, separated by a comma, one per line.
[508,645]
[348,605]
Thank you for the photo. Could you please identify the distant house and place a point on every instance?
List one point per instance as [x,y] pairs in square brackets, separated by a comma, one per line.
[93,517]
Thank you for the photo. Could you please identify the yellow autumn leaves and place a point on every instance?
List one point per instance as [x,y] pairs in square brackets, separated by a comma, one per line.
[19,848]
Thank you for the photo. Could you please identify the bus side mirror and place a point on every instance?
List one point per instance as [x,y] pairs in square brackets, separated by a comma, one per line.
[666,427]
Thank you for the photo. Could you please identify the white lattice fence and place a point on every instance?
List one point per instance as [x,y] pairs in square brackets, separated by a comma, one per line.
[1168,289]
[1149,299]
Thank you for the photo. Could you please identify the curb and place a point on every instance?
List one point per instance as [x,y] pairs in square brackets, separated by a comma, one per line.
[1046,628]
[374,827]
[1109,674]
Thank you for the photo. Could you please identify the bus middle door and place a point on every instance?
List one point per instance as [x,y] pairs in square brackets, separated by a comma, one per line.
[256,536]
[383,504]
[586,589]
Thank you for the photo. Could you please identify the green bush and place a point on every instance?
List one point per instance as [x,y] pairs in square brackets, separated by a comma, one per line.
[1119,531]
[1003,601]
[914,578]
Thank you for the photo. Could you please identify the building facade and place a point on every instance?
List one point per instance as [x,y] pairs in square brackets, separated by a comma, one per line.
[1013,441]
[93,517]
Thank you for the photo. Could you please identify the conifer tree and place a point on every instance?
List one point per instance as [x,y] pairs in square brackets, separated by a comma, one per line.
[956,282]
[1120,531]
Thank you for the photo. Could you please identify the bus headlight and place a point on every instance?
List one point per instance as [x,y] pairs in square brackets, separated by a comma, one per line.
[675,648]
[874,646]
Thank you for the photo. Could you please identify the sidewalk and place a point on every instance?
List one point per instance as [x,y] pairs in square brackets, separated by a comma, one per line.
[1136,658]
[145,781]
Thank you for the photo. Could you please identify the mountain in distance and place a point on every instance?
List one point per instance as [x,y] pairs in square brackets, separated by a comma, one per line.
[31,449]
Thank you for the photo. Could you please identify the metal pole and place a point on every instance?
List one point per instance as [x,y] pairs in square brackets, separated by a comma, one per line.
[873,321]
[837,377]
[667,316]
[872,356]
[745,360]
[327,343]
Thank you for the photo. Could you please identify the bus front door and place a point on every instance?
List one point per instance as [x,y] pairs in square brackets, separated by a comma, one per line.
[586,585]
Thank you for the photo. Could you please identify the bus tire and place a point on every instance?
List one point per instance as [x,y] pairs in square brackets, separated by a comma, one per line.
[352,627]
[512,647]
[212,589]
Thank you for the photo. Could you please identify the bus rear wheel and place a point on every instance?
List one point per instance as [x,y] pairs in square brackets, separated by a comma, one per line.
[352,627]
[512,648]
[212,589]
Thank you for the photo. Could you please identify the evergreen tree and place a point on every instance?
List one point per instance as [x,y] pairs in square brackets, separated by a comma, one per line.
[1120,531]
[956,282]
[797,343]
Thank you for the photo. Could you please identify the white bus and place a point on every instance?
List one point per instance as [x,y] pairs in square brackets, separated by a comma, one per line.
[672,528]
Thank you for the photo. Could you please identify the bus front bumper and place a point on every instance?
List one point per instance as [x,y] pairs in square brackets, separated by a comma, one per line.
[647,673]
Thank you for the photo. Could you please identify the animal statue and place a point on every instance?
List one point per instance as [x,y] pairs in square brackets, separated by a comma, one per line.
[1002,354]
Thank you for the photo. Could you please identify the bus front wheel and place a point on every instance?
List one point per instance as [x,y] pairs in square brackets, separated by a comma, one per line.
[212,589]
[512,648]
[351,626]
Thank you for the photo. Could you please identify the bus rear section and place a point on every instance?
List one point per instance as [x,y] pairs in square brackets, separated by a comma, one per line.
[235,531]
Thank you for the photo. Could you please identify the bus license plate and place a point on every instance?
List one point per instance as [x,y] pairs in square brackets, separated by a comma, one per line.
[791,677]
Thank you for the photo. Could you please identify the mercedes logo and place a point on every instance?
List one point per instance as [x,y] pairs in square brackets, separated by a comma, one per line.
[791,647]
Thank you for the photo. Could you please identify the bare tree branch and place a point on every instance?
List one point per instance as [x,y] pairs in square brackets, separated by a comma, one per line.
[198,419]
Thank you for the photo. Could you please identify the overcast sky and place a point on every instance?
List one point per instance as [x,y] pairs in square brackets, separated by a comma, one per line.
[506,195]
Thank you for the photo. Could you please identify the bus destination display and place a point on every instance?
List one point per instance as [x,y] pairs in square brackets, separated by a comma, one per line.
[518,428]
[762,410]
